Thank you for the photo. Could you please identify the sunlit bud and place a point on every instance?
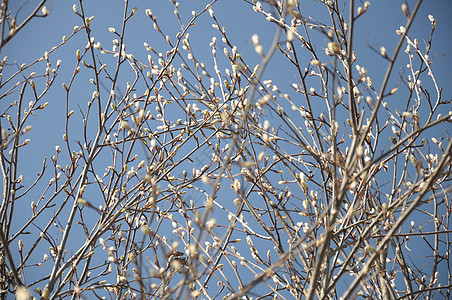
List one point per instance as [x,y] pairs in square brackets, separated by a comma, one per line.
[405,9]
[290,35]
[334,127]
[360,151]
[22,292]
[303,184]
[408,48]
[394,90]
[407,115]
[315,62]
[44,11]
[333,47]
[258,47]
[394,130]
[145,229]
[132,255]
[265,100]
[153,144]
[26,142]
[102,67]
[82,201]
[205,179]
[432,19]
[261,156]
[236,185]
[21,245]
[12,31]
[111,29]
[225,51]
[383,51]
[74,8]
[370,100]
[210,223]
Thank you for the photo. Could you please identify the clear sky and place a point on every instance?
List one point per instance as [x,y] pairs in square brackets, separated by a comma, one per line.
[376,28]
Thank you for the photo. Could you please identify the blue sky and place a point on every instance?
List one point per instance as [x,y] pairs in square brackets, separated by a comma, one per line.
[377,28]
